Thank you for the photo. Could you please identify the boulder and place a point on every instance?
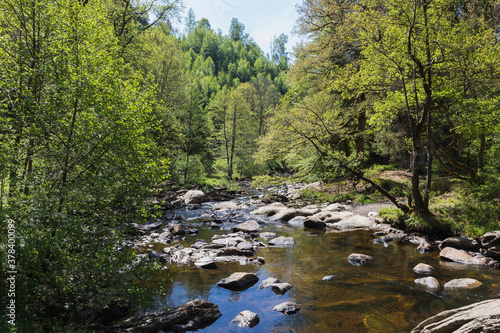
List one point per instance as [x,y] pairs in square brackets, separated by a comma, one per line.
[245,246]
[239,281]
[246,319]
[281,288]
[233,251]
[478,317]
[452,254]
[268,282]
[353,222]
[248,227]
[423,269]
[282,241]
[194,197]
[462,284]
[287,308]
[460,243]
[205,263]
[336,207]
[297,221]
[269,210]
[178,229]
[428,282]
[226,205]
[424,247]
[284,215]
[358,259]
[266,235]
[191,316]
[491,239]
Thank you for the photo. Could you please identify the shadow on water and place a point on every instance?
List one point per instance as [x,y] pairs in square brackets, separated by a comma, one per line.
[380,296]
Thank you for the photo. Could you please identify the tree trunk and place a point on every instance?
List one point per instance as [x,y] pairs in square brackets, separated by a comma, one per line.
[480,153]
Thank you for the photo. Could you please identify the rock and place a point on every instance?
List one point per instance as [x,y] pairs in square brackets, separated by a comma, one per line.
[268,282]
[239,281]
[423,269]
[233,251]
[462,284]
[459,256]
[336,207]
[154,254]
[358,259]
[328,278]
[284,215]
[199,244]
[316,186]
[245,246]
[478,317]
[228,242]
[227,205]
[424,247]
[269,210]
[311,223]
[194,197]
[490,239]
[178,229]
[297,221]
[150,226]
[267,235]
[191,316]
[308,210]
[246,319]
[428,282]
[205,263]
[287,308]
[353,222]
[460,243]
[282,241]
[281,288]
[248,227]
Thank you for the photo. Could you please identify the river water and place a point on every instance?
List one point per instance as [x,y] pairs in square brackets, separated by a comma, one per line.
[380,296]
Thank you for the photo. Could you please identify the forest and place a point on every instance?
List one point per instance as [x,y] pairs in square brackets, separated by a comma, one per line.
[103,102]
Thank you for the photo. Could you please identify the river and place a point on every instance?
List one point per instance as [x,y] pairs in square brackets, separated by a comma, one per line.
[380,296]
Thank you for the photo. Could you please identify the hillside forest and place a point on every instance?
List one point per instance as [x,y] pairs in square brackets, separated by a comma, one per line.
[103,103]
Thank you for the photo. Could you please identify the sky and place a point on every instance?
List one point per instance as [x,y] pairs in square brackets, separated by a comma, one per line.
[263,19]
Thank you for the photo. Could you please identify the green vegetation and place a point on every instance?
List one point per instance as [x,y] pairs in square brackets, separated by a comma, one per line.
[102,104]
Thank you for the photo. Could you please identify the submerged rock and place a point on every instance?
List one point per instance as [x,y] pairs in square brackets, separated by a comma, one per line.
[239,281]
[328,278]
[478,317]
[287,308]
[358,259]
[282,241]
[246,319]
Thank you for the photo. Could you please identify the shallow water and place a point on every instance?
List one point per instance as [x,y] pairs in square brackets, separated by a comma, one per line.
[378,297]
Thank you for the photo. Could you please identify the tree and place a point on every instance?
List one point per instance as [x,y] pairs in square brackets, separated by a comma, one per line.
[75,120]
[278,51]
[237,31]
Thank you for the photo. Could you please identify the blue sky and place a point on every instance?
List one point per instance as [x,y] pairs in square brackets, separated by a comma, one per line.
[263,19]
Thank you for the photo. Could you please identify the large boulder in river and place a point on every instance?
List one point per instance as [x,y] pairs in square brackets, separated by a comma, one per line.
[428,282]
[460,243]
[239,281]
[461,257]
[478,317]
[191,316]
[423,269]
[287,308]
[358,259]
[270,210]
[248,227]
[311,223]
[194,197]
[226,205]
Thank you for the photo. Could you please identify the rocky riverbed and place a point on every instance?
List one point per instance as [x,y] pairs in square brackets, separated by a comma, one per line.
[321,266]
